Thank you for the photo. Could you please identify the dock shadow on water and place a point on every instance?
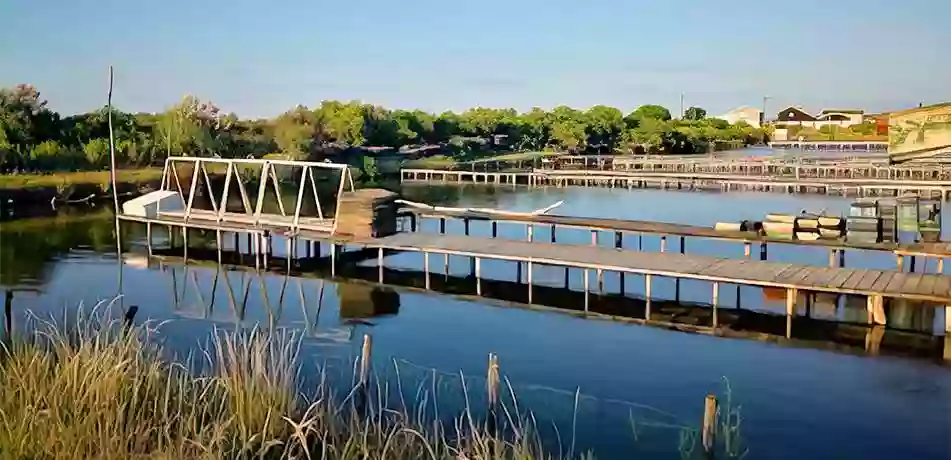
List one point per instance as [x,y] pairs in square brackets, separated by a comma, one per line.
[641,388]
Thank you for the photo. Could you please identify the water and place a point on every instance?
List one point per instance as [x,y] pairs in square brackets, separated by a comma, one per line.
[796,401]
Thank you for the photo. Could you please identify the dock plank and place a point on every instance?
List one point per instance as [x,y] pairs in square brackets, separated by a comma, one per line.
[868,280]
[853,281]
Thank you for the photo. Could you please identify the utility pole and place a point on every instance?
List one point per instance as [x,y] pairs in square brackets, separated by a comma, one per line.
[763,118]
[682,113]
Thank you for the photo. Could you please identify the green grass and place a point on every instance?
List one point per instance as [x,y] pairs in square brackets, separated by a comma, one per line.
[61,179]
[442,161]
[97,389]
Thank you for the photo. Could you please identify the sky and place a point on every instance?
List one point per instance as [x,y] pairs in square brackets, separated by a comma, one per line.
[259,58]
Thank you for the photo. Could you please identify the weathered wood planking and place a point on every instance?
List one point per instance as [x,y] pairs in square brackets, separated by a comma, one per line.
[939,249]
[765,274]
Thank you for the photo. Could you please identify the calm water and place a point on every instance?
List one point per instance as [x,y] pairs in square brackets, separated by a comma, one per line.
[796,401]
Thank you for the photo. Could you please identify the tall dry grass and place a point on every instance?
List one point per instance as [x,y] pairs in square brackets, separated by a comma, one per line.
[93,388]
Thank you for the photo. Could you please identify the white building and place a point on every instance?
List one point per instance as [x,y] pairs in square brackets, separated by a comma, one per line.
[746,113]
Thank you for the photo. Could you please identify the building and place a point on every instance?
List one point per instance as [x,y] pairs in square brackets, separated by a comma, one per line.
[751,115]
[797,116]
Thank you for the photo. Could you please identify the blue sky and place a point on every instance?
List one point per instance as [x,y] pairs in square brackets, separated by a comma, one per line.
[261,58]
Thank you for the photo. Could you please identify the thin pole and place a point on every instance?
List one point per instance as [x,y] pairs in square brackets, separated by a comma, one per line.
[112,177]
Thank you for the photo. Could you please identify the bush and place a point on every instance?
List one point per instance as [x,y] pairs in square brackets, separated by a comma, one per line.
[96,152]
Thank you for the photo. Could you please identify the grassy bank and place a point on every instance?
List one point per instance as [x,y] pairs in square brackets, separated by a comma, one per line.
[67,179]
[444,162]
[102,390]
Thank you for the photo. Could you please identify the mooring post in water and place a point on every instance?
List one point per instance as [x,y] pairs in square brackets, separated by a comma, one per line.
[217,244]
[333,259]
[531,233]
[185,243]
[683,244]
[747,250]
[663,243]
[529,279]
[716,295]
[426,268]
[875,305]
[8,313]
[899,263]
[478,275]
[495,229]
[492,391]
[762,251]
[647,297]
[148,236]
[412,222]
[379,263]
[586,276]
[552,233]
[442,225]
[465,223]
[841,257]
[709,431]
[594,237]
[940,269]
[832,257]
[618,240]
[791,295]
[365,361]
[911,266]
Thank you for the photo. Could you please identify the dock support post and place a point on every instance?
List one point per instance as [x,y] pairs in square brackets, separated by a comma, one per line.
[552,233]
[586,276]
[379,263]
[899,263]
[663,243]
[911,266]
[185,242]
[618,240]
[333,259]
[148,236]
[495,229]
[465,223]
[747,249]
[412,222]
[478,275]
[762,251]
[647,296]
[426,268]
[217,244]
[832,257]
[791,294]
[566,278]
[683,245]
[594,237]
[940,265]
[529,279]
[875,304]
[442,225]
[677,290]
[841,258]
[709,429]
[531,233]
[716,295]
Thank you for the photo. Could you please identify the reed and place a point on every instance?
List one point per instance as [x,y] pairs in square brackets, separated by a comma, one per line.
[96,388]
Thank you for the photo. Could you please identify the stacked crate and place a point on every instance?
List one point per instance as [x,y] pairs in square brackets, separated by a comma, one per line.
[367,213]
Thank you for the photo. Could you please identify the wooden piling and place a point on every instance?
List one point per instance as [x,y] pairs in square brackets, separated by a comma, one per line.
[442,225]
[586,301]
[333,259]
[478,275]
[426,268]
[594,237]
[647,296]
[365,361]
[709,429]
[531,233]
[495,229]
[379,263]
[552,233]
[716,295]
[791,294]
[762,251]
[832,257]
[492,382]
[618,240]
[529,280]
[747,249]
[683,245]
[663,243]
[148,236]
[875,306]
[899,263]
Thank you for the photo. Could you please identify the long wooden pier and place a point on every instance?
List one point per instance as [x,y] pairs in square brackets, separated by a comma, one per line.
[689,181]
[303,229]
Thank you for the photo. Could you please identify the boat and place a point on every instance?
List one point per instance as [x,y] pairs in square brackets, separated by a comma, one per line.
[784,218]
[828,222]
[807,223]
[830,232]
[778,229]
[728,227]
[807,236]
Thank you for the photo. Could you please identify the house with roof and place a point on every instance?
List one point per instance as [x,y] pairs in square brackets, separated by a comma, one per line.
[797,116]
[750,115]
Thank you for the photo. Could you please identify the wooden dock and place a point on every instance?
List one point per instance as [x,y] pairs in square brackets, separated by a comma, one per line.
[300,228]
[689,181]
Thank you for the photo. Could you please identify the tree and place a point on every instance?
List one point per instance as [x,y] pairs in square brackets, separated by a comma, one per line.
[96,152]
[604,125]
[344,121]
[695,114]
[445,126]
[656,112]
[297,132]
[568,128]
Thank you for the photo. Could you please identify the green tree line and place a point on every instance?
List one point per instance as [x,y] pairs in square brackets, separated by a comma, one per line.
[35,138]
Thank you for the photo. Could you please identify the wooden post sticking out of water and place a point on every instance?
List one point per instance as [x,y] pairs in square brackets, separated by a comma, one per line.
[552,233]
[442,225]
[586,276]
[940,265]
[529,277]
[709,431]
[647,296]
[875,304]
[495,229]
[683,244]
[663,243]
[832,257]
[333,259]
[412,222]
[379,263]
[478,275]
[716,295]
[426,268]
[492,390]
[841,258]
[365,361]
[791,294]
[747,250]
[618,240]
[899,263]
[762,251]
[531,233]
